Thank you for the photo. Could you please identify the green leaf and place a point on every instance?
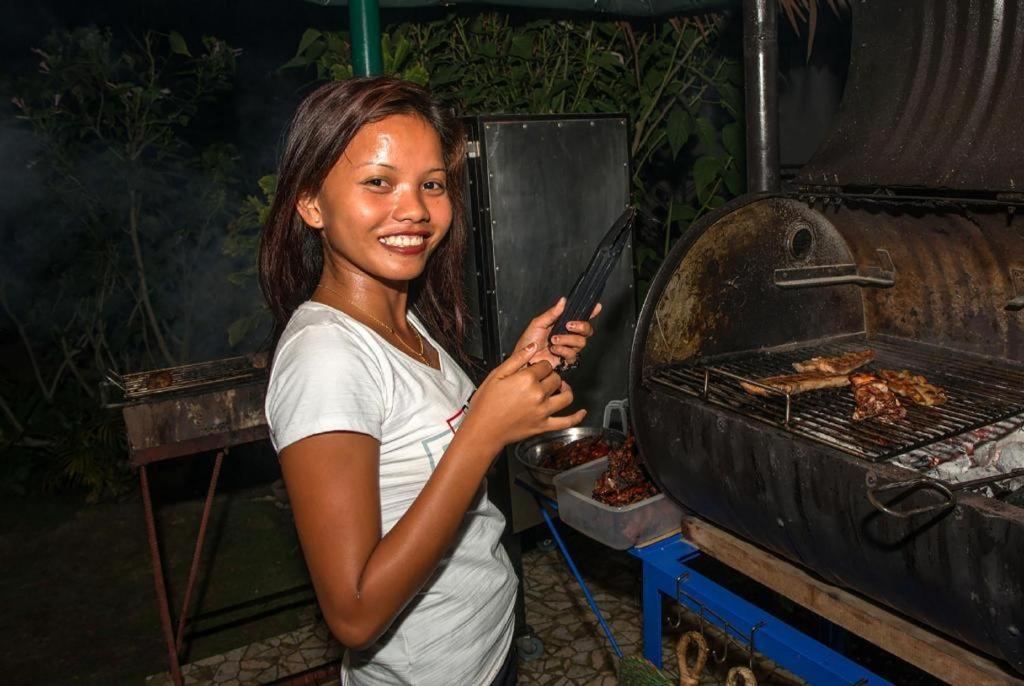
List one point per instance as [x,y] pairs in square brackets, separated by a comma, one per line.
[732,98]
[558,86]
[268,184]
[707,133]
[416,74]
[297,61]
[239,329]
[178,44]
[522,47]
[401,53]
[308,38]
[678,129]
[444,75]
[683,214]
[733,180]
[733,140]
[705,169]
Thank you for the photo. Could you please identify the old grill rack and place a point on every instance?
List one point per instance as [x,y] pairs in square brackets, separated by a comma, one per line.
[980,392]
[231,371]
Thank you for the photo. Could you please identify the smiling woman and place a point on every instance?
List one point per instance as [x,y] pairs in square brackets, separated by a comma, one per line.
[382,450]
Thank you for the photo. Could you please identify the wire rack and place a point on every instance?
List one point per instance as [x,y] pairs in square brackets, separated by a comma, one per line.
[980,392]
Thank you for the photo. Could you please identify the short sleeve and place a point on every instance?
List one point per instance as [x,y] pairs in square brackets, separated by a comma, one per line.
[323,380]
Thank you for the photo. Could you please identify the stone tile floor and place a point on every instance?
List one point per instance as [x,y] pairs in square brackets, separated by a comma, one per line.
[575,651]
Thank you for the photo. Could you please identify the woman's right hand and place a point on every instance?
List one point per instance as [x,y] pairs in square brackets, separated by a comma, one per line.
[518,400]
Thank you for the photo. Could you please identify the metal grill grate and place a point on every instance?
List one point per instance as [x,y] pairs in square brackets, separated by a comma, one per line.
[229,371]
[981,392]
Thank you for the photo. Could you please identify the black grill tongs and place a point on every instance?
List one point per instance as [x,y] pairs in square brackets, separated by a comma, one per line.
[587,289]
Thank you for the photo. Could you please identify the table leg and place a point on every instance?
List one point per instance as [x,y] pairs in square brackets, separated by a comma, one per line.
[162,600]
[193,571]
[651,618]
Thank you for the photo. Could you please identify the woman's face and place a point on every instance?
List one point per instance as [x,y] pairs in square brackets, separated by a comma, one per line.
[384,207]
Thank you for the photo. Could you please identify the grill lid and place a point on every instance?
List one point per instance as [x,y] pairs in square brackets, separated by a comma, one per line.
[932,101]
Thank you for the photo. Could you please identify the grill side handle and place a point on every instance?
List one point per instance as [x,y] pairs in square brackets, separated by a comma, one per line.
[909,487]
[882,276]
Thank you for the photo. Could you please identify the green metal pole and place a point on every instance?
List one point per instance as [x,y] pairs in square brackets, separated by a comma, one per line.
[364,24]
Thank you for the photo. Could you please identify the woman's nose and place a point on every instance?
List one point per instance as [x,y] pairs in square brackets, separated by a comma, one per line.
[411,207]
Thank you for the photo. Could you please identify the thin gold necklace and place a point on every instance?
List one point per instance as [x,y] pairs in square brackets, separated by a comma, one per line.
[387,328]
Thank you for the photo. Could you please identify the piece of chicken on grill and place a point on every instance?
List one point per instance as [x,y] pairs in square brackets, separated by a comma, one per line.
[874,399]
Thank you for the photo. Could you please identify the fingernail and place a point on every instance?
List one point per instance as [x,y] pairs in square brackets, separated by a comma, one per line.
[561,301]
[556,339]
[573,325]
[531,346]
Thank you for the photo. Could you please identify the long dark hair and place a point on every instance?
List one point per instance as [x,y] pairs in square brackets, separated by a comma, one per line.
[291,254]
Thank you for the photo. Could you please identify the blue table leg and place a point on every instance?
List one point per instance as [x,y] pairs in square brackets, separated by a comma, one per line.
[666,571]
[652,621]
[579,579]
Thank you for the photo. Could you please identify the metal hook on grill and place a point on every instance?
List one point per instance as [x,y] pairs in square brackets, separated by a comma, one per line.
[946,491]
[911,487]
[725,649]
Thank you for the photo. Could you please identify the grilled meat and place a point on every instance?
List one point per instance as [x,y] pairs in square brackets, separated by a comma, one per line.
[837,364]
[796,383]
[875,400]
[576,453]
[913,387]
[624,482]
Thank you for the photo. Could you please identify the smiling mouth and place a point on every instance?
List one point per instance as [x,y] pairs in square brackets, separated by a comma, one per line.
[402,241]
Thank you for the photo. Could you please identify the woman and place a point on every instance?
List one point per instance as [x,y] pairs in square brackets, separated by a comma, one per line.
[361,264]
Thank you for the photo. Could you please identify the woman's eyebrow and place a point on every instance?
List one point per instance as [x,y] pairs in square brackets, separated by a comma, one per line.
[391,166]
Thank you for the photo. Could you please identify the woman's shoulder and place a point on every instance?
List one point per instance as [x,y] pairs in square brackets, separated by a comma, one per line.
[320,337]
[314,325]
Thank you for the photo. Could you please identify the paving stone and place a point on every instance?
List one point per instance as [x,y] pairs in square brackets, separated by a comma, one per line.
[269,674]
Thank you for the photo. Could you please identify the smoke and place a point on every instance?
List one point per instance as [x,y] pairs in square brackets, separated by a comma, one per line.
[22,193]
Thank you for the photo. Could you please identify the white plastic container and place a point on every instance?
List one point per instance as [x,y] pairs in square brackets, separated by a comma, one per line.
[616,527]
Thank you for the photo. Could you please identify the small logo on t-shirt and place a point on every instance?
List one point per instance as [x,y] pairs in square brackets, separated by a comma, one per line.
[434,446]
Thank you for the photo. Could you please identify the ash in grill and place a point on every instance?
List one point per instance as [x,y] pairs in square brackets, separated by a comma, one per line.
[906,239]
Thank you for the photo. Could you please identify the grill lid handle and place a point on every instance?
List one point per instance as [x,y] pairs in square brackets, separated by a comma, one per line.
[882,276]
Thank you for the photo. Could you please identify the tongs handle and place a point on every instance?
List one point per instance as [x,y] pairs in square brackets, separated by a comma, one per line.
[910,487]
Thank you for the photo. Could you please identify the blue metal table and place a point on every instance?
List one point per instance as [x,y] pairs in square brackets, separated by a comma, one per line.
[667,571]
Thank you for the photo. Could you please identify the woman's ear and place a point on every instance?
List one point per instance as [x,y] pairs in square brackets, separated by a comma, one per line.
[308,207]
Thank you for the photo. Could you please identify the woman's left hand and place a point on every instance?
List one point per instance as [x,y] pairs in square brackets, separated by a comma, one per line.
[564,348]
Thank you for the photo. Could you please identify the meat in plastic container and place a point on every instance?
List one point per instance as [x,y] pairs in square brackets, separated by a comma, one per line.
[616,527]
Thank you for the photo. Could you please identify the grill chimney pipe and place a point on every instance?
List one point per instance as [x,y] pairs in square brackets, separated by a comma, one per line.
[760,67]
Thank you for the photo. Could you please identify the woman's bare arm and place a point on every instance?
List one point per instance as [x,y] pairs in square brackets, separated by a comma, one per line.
[363,580]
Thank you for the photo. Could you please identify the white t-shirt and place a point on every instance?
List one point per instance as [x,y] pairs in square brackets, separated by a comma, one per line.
[332,373]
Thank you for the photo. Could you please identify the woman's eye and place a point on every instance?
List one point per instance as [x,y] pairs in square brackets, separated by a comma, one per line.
[376,183]
[433,186]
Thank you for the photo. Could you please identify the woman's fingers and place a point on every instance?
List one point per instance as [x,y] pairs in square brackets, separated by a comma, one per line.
[540,370]
[567,422]
[549,316]
[560,401]
[516,361]
[551,384]
[568,341]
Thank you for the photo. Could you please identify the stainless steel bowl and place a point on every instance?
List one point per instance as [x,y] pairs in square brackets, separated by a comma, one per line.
[532,450]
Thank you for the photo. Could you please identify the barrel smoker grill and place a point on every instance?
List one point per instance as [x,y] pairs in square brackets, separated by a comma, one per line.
[901,235]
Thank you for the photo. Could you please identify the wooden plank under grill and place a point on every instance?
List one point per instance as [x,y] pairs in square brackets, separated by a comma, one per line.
[924,649]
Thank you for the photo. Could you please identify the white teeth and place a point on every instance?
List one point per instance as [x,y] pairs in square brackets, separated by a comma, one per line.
[402,241]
